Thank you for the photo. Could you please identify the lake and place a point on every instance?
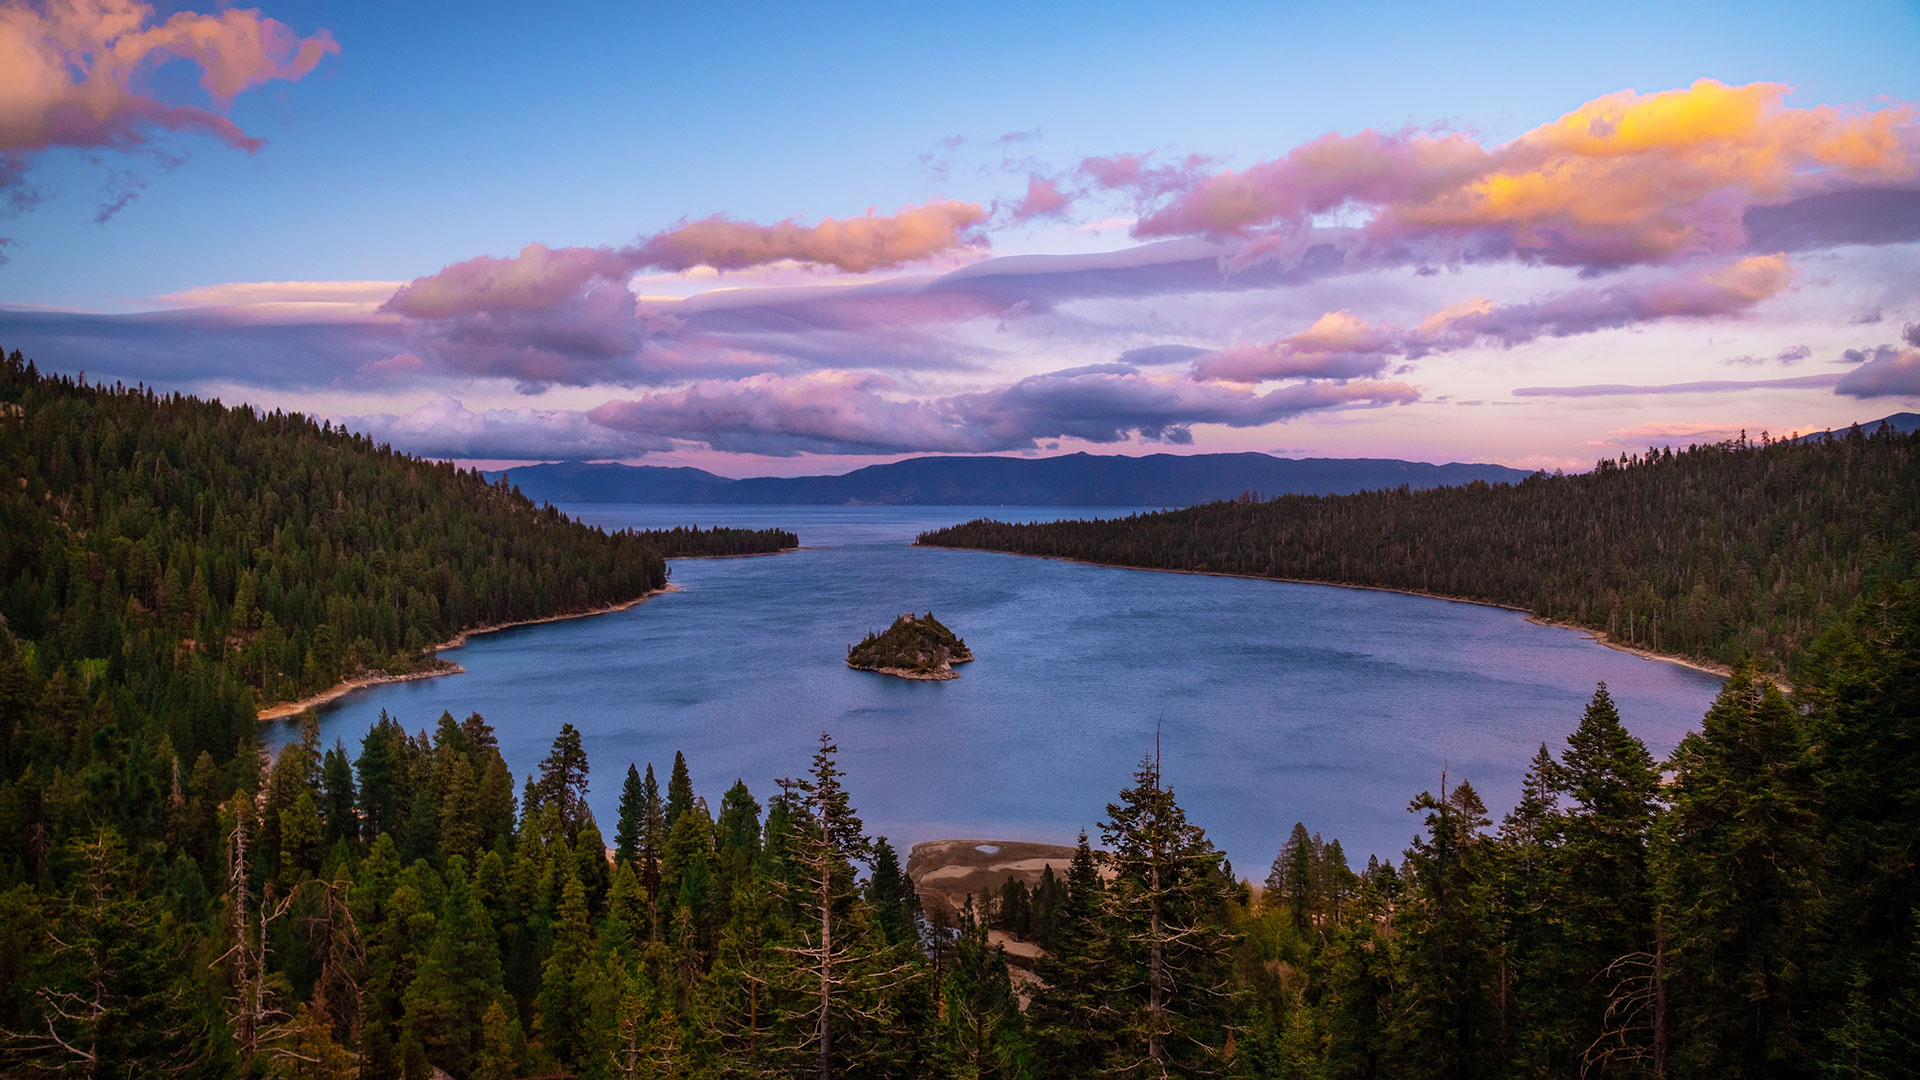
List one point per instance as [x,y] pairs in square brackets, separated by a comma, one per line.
[1272,702]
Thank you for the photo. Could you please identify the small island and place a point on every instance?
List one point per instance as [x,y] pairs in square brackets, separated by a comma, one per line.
[914,647]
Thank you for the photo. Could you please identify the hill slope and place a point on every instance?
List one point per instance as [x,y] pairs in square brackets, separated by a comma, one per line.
[1067,480]
[192,560]
[1713,553]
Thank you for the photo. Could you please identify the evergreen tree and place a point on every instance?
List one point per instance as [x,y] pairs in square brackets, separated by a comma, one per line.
[980,1017]
[104,1000]
[1606,903]
[890,894]
[1738,902]
[1530,897]
[566,983]
[1070,1015]
[1451,1024]
[338,809]
[1861,686]
[626,835]
[458,979]
[563,780]
[1167,910]
[679,790]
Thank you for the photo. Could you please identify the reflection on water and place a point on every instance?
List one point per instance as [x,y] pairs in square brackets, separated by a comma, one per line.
[1274,703]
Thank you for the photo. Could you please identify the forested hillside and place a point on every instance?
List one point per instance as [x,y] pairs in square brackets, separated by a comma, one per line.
[1714,553]
[388,909]
[187,561]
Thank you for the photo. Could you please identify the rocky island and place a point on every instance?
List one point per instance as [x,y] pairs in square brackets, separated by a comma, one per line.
[914,647]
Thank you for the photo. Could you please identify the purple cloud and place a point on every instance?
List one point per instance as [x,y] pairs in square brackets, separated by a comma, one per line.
[1895,375]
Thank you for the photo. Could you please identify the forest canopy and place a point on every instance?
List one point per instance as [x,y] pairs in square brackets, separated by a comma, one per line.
[1715,553]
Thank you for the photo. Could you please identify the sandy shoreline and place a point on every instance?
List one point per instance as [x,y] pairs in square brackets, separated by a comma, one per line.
[1597,636]
[446,667]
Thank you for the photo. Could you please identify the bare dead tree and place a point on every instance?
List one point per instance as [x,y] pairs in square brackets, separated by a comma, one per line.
[1631,1029]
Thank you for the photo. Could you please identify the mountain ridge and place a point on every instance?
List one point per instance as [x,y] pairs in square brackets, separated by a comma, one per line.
[1078,479]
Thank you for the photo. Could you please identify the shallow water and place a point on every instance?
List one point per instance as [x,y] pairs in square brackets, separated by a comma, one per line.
[1274,703]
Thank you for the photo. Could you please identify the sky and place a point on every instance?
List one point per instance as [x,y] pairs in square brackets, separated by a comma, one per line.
[765,239]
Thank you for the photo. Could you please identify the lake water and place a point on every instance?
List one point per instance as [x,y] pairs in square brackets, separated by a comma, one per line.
[1274,702]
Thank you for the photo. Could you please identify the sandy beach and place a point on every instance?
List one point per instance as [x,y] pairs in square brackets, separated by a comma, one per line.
[440,667]
[946,872]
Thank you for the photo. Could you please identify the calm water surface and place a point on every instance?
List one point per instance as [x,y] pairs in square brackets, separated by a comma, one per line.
[1275,703]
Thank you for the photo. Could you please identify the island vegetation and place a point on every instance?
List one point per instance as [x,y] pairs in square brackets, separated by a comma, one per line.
[1713,553]
[719,541]
[914,647]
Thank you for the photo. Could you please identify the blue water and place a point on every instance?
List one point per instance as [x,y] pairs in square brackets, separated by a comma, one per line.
[1274,702]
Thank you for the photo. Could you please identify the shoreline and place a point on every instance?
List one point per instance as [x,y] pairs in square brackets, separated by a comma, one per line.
[440,667]
[1598,637]
[743,554]
[904,673]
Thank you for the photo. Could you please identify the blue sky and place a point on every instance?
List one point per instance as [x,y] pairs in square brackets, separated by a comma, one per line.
[440,133]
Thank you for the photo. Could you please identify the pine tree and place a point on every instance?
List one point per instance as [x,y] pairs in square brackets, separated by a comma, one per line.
[1738,902]
[979,1016]
[1606,903]
[458,978]
[106,999]
[338,810]
[563,780]
[839,1014]
[1451,1024]
[565,983]
[1861,686]
[1070,1015]
[679,790]
[1167,906]
[1529,901]
[626,834]
[1291,880]
[739,822]
[890,894]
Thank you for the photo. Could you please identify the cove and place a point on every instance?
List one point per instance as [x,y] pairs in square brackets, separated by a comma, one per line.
[1272,702]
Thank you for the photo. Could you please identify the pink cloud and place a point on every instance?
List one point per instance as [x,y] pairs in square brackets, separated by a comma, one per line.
[1043,199]
[1338,345]
[1341,345]
[1664,432]
[68,73]
[1626,178]
[1136,176]
[537,279]
[855,245]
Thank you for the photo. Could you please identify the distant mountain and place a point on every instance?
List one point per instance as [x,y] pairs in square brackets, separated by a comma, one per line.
[1905,423]
[1067,480]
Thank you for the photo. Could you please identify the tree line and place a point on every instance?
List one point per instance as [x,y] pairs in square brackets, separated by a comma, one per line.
[1717,553]
[691,541]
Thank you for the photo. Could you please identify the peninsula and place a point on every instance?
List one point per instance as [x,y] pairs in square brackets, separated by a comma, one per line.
[914,647]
